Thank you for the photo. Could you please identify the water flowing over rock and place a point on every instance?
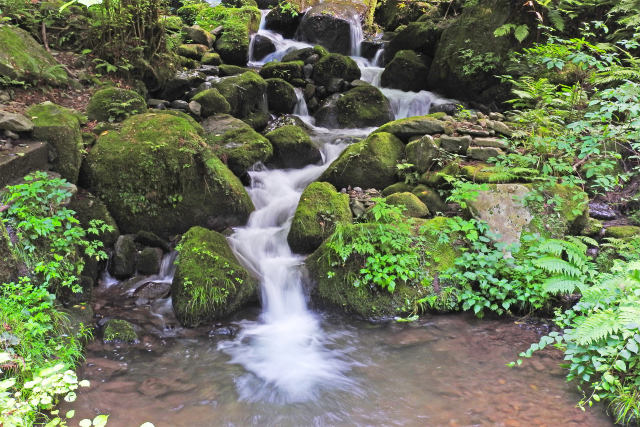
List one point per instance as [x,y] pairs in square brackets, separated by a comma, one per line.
[330,25]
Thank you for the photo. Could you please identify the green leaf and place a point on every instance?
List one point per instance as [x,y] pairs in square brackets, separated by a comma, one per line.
[620,365]
[70,414]
[521,32]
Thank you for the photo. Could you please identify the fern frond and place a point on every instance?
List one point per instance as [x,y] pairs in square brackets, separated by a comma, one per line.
[561,285]
[596,327]
[557,266]
[630,314]
[552,246]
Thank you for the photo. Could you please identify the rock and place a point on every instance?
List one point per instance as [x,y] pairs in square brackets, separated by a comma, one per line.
[212,103]
[10,266]
[114,104]
[209,283]
[398,187]
[363,106]
[226,70]
[148,261]
[430,198]
[155,103]
[288,71]
[147,238]
[407,71]
[321,207]
[602,211]
[179,104]
[393,14]
[419,37]
[371,302]
[281,96]
[413,206]
[195,108]
[286,120]
[484,153]
[305,54]
[406,129]
[237,143]
[261,47]
[454,144]
[119,331]
[199,36]
[329,25]
[293,148]
[88,207]
[501,128]
[282,22]
[211,58]
[423,153]
[60,128]
[491,142]
[177,86]
[15,122]
[17,161]
[23,59]
[11,135]
[122,264]
[246,95]
[370,163]
[192,51]
[158,174]
[335,65]
[622,231]
[233,44]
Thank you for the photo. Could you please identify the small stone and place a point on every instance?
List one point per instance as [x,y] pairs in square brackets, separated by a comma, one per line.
[195,108]
[11,135]
[154,103]
[603,211]
[491,142]
[15,122]
[335,85]
[483,153]
[455,144]
[179,104]
[474,132]
[500,128]
[307,70]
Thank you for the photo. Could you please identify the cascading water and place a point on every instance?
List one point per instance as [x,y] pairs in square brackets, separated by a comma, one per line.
[357,35]
[301,105]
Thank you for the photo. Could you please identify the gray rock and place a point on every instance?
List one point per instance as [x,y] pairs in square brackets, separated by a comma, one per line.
[307,70]
[123,260]
[148,261]
[262,46]
[423,153]
[155,103]
[180,104]
[483,153]
[455,144]
[198,35]
[500,128]
[11,135]
[195,108]
[15,122]
[491,142]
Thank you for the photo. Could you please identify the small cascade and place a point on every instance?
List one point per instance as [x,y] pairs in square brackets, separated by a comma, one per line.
[378,59]
[409,104]
[301,105]
[357,35]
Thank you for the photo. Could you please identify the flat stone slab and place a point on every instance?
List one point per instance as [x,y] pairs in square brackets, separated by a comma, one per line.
[22,159]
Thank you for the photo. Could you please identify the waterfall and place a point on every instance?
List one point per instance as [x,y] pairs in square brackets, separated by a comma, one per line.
[378,58]
[356,35]
[301,105]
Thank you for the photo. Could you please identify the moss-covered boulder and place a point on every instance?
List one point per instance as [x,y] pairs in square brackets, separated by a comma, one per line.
[305,53]
[24,59]
[370,163]
[114,104]
[240,148]
[293,148]
[212,102]
[60,127]
[413,206]
[321,207]
[335,279]
[247,95]
[209,283]
[329,24]
[158,174]
[149,260]
[334,66]
[281,96]
[198,35]
[407,71]
[288,71]
[233,44]
[88,207]
[409,128]
[363,106]
[211,58]
[122,263]
[420,37]
[431,198]
[119,331]
[423,153]
[192,51]
[398,187]
[622,231]
[226,70]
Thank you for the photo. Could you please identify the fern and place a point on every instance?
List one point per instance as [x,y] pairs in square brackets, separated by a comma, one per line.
[567,263]
[596,327]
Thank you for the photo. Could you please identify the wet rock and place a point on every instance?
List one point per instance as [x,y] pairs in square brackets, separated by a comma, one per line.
[603,211]
[247,96]
[212,102]
[208,70]
[147,238]
[179,104]
[363,106]
[119,331]
[333,66]
[282,22]
[262,46]
[181,83]
[293,148]
[152,291]
[148,261]
[407,129]
[407,71]
[329,25]
[122,264]
[228,331]
[290,71]
[286,120]
[156,387]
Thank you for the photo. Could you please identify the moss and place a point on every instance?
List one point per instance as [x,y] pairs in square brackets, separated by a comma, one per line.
[9,262]
[172,23]
[593,228]
[398,187]
[148,261]
[293,148]
[321,207]
[209,283]
[431,198]
[304,53]
[370,163]
[241,148]
[237,23]
[192,50]
[211,58]
[412,204]
[246,95]
[288,71]
[157,174]
[622,231]
[24,59]
[406,71]
[60,127]
[240,3]
[113,104]
[226,70]
[333,66]
[281,96]
[412,127]
[88,207]
[565,210]
[363,106]
[212,102]
[117,330]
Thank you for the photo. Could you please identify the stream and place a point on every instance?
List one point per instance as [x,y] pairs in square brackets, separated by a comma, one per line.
[286,365]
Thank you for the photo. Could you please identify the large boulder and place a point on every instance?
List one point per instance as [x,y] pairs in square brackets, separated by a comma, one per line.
[122,264]
[407,71]
[335,277]
[423,153]
[209,283]
[362,106]
[293,148]
[420,37]
[247,96]
[321,207]
[410,203]
[283,22]
[411,127]
[335,66]
[113,104]
[212,102]
[281,96]
[370,163]
[87,208]
[60,127]
[289,71]
[24,59]
[261,46]
[233,44]
[196,34]
[329,24]
[158,174]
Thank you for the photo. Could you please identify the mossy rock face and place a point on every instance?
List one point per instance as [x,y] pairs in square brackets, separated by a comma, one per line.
[420,37]
[119,331]
[370,163]
[212,102]
[149,260]
[233,44]
[211,58]
[622,231]
[247,96]
[398,187]
[430,198]
[88,207]
[241,148]
[321,207]
[423,153]
[158,174]
[209,283]
[197,35]
[293,148]
[60,127]
[407,71]
[226,70]
[304,53]
[24,59]
[412,127]
[9,263]
[413,206]
[192,51]
[333,66]
[288,71]
[363,106]
[335,283]
[281,96]
[113,104]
